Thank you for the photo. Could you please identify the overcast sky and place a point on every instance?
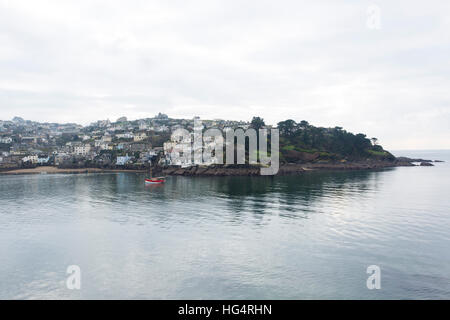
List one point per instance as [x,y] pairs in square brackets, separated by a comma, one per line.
[327,62]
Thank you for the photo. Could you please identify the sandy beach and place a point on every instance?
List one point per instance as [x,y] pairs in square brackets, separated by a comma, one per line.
[49,169]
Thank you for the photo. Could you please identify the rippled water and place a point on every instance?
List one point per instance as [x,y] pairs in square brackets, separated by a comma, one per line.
[305,237]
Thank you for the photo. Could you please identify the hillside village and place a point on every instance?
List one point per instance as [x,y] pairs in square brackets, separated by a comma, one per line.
[103,144]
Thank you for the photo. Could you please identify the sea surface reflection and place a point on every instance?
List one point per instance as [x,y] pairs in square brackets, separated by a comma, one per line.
[304,237]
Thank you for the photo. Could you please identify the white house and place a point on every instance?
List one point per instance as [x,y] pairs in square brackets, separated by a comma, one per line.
[5,140]
[106,146]
[174,155]
[32,159]
[123,160]
[143,126]
[125,135]
[162,128]
[82,150]
[152,153]
[43,160]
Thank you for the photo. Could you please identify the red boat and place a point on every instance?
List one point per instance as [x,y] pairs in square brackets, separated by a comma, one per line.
[156,180]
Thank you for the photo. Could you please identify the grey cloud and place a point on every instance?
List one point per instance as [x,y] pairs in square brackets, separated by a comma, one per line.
[232,59]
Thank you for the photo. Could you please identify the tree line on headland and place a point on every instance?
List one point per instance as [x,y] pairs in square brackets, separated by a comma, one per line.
[303,142]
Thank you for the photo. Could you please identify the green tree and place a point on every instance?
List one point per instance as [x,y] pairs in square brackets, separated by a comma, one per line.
[287,127]
[257,123]
[374,141]
[303,124]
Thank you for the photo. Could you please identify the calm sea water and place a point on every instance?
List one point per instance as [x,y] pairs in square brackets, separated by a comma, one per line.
[306,237]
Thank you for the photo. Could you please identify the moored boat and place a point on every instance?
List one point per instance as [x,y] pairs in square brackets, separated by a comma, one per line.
[156,180]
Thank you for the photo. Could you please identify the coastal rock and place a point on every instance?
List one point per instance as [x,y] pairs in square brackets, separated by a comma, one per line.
[290,169]
[426,164]
[406,159]
[216,170]
[403,164]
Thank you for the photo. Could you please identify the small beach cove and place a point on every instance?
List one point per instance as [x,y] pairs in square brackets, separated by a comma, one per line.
[50,169]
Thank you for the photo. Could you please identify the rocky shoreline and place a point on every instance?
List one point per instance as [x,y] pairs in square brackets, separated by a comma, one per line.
[236,170]
[285,169]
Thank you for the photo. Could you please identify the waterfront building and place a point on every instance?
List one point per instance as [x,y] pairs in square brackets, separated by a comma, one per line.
[31,158]
[123,160]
